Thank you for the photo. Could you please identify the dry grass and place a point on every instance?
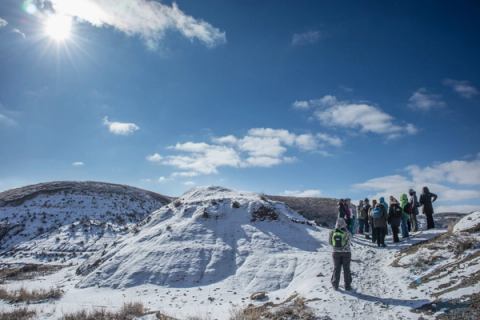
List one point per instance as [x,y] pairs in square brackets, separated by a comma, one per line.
[129,311]
[17,314]
[294,308]
[24,295]
[28,271]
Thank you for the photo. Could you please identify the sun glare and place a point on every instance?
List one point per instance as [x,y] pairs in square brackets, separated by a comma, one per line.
[58,27]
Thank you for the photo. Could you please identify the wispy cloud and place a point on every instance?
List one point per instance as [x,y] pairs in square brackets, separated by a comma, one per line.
[303,193]
[260,147]
[19,32]
[3,23]
[464,88]
[453,181]
[360,116]
[7,121]
[424,100]
[145,18]
[78,164]
[306,38]
[120,128]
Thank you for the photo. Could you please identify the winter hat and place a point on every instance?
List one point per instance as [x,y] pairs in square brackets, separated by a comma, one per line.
[341,224]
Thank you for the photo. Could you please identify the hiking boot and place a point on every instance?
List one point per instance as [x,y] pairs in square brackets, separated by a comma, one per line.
[384,245]
[349,288]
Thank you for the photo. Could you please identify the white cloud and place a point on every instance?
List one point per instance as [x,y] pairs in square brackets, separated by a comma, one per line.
[301,105]
[260,147]
[19,32]
[306,38]
[3,23]
[464,88]
[154,157]
[120,128]
[424,100]
[359,116]
[189,183]
[230,139]
[447,179]
[145,18]
[303,193]
[78,164]
[457,171]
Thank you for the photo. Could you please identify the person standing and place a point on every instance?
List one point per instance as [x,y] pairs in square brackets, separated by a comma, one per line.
[405,205]
[395,217]
[426,200]
[413,212]
[382,202]
[361,220]
[339,239]
[370,216]
[379,215]
[364,213]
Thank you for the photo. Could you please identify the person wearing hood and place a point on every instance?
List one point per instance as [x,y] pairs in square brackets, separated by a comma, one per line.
[351,212]
[395,217]
[427,199]
[339,239]
[405,205]
[413,209]
[379,216]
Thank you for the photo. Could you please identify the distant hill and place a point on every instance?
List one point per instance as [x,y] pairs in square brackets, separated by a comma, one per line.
[322,210]
[59,220]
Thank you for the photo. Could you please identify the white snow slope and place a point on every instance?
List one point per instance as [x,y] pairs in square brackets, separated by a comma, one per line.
[205,254]
[208,235]
[54,222]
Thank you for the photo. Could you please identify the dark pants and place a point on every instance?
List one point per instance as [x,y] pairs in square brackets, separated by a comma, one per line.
[374,234]
[395,231]
[414,222]
[430,222]
[380,235]
[362,226]
[341,259]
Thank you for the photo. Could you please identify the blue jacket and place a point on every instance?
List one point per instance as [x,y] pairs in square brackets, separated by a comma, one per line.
[382,202]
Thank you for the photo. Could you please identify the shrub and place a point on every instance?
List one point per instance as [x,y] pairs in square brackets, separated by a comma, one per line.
[17,314]
[24,295]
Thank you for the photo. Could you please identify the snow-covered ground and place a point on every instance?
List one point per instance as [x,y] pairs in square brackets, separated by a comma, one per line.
[206,253]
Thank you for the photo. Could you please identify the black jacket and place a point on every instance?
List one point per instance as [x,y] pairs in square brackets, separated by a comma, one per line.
[426,200]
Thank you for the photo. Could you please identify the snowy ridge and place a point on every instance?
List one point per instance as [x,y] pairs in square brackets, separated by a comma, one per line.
[205,236]
[59,220]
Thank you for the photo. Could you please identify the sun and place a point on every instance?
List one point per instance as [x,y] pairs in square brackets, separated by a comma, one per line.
[58,27]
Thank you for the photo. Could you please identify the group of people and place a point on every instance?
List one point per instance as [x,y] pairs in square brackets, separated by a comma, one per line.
[372,220]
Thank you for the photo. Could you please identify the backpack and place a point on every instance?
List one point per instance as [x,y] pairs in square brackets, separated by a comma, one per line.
[339,239]
[397,211]
[377,213]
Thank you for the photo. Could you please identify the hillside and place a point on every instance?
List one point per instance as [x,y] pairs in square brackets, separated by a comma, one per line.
[58,220]
[210,251]
[205,236]
[321,210]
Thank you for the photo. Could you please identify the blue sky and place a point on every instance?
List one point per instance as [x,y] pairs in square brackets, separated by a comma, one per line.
[350,99]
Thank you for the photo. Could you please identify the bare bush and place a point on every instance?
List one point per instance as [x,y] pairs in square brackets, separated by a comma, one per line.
[129,311]
[17,314]
[24,295]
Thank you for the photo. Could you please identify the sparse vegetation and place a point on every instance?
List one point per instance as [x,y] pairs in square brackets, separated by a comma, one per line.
[17,314]
[28,271]
[129,311]
[24,295]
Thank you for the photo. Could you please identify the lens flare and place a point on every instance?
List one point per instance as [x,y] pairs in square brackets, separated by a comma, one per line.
[58,27]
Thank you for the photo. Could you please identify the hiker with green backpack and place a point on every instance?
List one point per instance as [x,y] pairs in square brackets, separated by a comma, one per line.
[339,239]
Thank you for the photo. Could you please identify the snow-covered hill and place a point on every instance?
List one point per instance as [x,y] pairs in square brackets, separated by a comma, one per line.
[57,221]
[205,236]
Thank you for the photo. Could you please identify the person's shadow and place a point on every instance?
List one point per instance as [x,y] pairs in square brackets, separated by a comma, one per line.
[388,301]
